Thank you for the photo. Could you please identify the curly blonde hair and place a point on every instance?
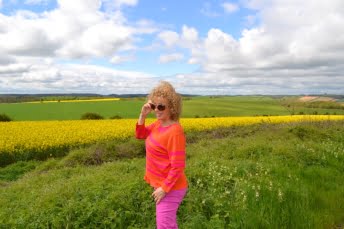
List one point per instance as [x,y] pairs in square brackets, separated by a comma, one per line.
[165,90]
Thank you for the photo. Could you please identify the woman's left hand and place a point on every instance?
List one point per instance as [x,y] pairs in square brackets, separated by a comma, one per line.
[158,195]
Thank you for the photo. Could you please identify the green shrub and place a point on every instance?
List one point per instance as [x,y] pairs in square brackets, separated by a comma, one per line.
[90,115]
[116,117]
[5,118]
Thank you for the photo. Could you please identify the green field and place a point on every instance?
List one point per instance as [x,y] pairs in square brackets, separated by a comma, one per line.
[202,106]
[286,175]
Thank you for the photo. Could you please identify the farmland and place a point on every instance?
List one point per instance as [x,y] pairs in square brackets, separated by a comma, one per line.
[246,168]
[201,106]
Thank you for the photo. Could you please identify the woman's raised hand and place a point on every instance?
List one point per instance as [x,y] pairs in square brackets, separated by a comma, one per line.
[146,109]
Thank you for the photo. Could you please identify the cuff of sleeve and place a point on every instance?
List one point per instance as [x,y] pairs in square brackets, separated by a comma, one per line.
[165,188]
[137,124]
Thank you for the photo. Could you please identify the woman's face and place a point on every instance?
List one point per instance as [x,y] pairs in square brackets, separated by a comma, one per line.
[162,115]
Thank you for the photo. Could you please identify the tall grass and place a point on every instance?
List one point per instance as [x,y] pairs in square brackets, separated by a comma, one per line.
[261,176]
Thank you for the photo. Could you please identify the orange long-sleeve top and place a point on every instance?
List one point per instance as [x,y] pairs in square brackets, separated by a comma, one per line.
[165,155]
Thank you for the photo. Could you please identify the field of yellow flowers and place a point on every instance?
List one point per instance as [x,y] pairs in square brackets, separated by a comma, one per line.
[76,100]
[43,139]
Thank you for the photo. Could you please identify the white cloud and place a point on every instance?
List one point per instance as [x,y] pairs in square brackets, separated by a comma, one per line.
[191,41]
[188,39]
[256,82]
[169,38]
[121,59]
[145,26]
[14,68]
[99,40]
[74,30]
[300,51]
[170,58]
[301,35]
[5,60]
[80,6]
[230,7]
[126,2]
[74,78]
[32,43]
[189,35]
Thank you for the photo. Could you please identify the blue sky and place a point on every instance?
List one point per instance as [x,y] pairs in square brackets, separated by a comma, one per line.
[201,47]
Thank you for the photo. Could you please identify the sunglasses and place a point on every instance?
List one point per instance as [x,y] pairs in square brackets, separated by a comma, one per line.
[159,106]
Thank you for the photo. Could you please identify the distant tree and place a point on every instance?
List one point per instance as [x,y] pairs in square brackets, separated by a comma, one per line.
[116,117]
[90,115]
[5,118]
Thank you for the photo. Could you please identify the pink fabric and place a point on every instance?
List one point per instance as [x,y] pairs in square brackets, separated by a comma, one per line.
[166,210]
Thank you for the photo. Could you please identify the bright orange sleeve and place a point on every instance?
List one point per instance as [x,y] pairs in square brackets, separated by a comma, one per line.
[143,131]
[177,156]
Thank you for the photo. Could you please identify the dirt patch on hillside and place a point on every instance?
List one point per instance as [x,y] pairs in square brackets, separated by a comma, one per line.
[315,98]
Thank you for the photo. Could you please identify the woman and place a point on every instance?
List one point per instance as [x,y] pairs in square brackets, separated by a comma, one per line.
[165,152]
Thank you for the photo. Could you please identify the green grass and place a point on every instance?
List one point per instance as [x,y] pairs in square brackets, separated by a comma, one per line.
[259,176]
[202,106]
[70,111]
[16,170]
[232,106]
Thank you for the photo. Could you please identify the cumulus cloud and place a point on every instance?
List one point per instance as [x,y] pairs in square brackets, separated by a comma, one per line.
[300,51]
[256,82]
[119,3]
[73,30]
[187,39]
[121,59]
[75,78]
[31,45]
[169,38]
[170,58]
[189,35]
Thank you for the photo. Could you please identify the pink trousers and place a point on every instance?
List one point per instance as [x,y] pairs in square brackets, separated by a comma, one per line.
[166,210]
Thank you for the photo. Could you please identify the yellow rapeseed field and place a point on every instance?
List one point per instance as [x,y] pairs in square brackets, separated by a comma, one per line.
[75,100]
[24,137]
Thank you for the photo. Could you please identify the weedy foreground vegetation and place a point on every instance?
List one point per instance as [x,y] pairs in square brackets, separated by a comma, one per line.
[263,175]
